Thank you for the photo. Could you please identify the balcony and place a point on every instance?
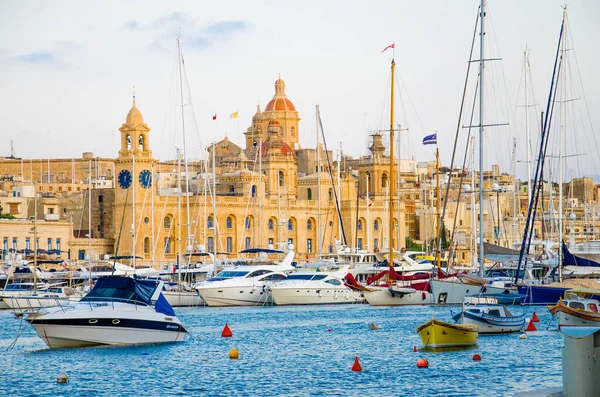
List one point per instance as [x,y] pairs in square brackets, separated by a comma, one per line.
[51,217]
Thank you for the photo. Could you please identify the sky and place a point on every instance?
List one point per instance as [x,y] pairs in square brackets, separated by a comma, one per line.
[67,69]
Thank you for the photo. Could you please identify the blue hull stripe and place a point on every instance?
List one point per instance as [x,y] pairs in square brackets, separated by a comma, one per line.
[108,323]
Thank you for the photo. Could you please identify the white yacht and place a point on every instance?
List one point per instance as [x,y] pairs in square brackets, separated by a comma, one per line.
[245,282]
[118,310]
[489,316]
[313,288]
[54,295]
[18,289]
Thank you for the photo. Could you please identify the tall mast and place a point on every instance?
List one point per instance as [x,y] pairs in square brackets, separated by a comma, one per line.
[391,178]
[133,231]
[152,211]
[561,144]
[188,241]
[260,189]
[473,217]
[368,217]
[516,187]
[397,181]
[318,184]
[437,207]
[527,134]
[35,238]
[481,165]
[90,213]
[179,255]
[214,201]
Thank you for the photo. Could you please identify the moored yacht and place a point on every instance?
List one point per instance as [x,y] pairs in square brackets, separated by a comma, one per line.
[118,310]
[313,288]
[491,317]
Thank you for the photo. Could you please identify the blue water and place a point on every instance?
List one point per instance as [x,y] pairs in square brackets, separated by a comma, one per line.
[287,351]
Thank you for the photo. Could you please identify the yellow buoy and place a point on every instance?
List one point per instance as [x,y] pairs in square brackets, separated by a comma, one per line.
[234,354]
[62,378]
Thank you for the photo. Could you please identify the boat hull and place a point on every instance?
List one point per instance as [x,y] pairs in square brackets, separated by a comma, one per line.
[235,296]
[439,334]
[449,292]
[382,296]
[183,298]
[313,296]
[541,295]
[62,336]
[494,325]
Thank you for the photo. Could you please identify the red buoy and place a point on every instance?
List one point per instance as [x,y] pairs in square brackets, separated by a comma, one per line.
[356,366]
[329,330]
[422,363]
[535,318]
[226,332]
[531,327]
[415,349]
[476,357]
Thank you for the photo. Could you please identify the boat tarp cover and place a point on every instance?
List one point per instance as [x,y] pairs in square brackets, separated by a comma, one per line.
[352,283]
[119,288]
[571,260]
[395,276]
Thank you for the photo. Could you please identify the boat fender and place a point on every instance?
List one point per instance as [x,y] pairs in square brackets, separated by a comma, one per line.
[506,291]
[484,289]
[264,288]
[423,295]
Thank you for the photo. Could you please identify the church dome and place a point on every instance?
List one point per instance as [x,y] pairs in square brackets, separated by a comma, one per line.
[134,117]
[276,145]
[280,100]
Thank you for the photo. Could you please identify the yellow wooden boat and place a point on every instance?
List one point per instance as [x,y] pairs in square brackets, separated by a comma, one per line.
[435,333]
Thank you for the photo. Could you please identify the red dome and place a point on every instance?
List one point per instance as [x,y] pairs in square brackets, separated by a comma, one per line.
[276,144]
[280,104]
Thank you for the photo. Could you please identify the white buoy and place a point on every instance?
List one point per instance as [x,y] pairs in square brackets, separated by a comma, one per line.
[523,336]
[62,378]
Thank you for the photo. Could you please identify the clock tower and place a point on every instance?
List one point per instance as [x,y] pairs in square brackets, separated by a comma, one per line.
[134,185]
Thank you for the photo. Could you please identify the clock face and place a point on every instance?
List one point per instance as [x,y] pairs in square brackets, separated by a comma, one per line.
[146,179]
[125,179]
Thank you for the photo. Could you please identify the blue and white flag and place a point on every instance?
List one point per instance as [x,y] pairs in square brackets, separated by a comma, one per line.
[430,139]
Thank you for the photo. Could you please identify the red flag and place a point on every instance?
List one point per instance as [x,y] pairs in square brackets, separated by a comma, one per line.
[390,46]
[214,117]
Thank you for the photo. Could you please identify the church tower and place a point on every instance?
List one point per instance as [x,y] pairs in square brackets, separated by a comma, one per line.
[134,182]
[279,164]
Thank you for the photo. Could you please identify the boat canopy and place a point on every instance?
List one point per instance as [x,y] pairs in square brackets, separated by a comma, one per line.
[119,289]
[259,250]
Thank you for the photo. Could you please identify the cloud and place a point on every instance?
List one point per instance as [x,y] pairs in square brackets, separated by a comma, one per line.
[37,57]
[196,36]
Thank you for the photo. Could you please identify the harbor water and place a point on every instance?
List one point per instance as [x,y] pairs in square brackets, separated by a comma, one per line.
[288,351]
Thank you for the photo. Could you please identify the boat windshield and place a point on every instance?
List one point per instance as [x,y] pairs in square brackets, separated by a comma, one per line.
[306,277]
[19,287]
[229,274]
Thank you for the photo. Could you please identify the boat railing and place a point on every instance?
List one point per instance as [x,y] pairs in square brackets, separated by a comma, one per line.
[103,302]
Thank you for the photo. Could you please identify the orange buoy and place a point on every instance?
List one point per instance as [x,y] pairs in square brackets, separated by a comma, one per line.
[356,366]
[476,357]
[234,354]
[535,318]
[531,327]
[414,349]
[422,363]
[226,332]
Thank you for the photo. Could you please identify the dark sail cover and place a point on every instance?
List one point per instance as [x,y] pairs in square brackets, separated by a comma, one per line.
[571,260]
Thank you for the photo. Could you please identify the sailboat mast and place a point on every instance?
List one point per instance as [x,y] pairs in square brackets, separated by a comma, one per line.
[481,165]
[437,208]
[35,238]
[391,178]
[561,145]
[473,218]
[179,261]
[527,134]
[515,188]
[214,201]
[188,240]
[260,189]
[133,231]
[90,214]
[152,212]
[318,184]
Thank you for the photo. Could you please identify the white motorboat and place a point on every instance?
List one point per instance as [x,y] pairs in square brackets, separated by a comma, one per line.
[118,310]
[313,288]
[491,317]
[182,295]
[53,296]
[18,289]
[576,311]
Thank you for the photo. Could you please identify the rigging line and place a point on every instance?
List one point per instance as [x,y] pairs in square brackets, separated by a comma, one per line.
[243,235]
[120,231]
[462,175]
[169,100]
[194,119]
[332,182]
[460,114]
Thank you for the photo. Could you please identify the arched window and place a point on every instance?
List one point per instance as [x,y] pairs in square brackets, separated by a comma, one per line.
[209,222]
[248,223]
[231,189]
[253,190]
[229,223]
[309,225]
[359,225]
[384,180]
[128,142]
[146,245]
[309,194]
[290,225]
[376,225]
[292,132]
[281,178]
[330,194]
[270,224]
[141,142]
[167,222]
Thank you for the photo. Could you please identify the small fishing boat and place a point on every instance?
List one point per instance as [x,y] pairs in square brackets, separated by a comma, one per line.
[439,334]
[576,311]
[489,316]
